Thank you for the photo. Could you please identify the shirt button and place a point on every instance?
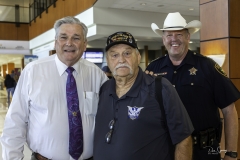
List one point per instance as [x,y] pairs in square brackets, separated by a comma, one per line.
[192,84]
[175,72]
[173,85]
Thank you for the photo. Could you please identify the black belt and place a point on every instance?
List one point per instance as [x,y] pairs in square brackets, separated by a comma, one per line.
[40,157]
[205,138]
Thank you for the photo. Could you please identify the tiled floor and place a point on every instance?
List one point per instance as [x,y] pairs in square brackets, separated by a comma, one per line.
[3,111]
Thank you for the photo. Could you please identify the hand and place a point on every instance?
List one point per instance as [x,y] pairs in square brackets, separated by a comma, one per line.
[151,73]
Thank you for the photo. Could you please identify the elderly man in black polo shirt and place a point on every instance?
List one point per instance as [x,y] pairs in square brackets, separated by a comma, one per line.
[129,123]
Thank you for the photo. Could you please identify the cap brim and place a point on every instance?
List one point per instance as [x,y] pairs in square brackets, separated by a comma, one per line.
[119,42]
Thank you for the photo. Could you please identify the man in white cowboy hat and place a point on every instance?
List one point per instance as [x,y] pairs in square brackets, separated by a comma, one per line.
[202,86]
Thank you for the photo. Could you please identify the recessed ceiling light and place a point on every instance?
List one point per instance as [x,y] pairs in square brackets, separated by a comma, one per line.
[191,9]
[190,41]
[143,4]
[160,5]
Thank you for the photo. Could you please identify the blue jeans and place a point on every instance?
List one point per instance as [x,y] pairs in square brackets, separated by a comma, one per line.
[10,91]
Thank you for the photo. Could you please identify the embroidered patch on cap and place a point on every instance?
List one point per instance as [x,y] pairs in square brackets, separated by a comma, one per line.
[134,112]
[121,38]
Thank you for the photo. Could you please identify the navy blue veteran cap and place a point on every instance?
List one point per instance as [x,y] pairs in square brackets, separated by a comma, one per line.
[120,38]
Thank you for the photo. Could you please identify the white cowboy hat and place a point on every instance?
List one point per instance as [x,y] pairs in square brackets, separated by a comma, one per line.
[174,21]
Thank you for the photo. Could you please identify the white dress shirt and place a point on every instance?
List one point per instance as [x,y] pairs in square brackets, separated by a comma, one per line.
[38,113]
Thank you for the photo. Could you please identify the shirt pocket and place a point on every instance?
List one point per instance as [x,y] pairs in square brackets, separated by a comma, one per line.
[91,103]
[189,89]
[192,83]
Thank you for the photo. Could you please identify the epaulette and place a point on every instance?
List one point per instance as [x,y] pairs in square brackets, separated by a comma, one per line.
[159,58]
[198,54]
[201,55]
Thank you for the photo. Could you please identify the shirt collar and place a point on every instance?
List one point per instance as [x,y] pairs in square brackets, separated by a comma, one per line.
[134,90]
[61,67]
[188,59]
[167,61]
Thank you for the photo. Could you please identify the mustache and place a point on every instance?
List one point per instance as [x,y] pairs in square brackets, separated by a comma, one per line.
[121,65]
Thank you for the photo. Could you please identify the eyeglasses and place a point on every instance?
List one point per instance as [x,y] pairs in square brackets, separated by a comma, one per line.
[109,134]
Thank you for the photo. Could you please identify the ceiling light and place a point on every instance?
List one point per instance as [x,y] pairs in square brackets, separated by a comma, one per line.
[190,41]
[143,4]
[191,9]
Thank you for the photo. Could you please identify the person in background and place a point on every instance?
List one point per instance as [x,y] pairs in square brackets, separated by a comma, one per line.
[202,86]
[107,71]
[129,123]
[10,84]
[12,74]
[55,102]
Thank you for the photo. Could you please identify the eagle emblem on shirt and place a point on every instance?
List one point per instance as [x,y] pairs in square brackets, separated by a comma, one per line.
[134,112]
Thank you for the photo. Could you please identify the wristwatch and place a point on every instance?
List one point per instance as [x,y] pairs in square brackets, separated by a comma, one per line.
[231,154]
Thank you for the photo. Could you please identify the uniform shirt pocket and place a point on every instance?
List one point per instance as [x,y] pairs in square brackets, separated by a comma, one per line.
[91,103]
[192,82]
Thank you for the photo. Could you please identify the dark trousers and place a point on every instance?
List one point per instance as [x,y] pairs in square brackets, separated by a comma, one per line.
[208,153]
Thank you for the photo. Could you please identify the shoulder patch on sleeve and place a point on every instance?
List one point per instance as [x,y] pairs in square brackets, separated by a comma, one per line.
[220,70]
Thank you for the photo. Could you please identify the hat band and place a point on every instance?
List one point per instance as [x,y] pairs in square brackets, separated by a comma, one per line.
[174,27]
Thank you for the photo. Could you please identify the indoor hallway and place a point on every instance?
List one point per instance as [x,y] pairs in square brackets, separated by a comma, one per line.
[3,111]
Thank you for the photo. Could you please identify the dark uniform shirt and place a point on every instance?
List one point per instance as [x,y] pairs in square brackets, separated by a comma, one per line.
[202,86]
[139,133]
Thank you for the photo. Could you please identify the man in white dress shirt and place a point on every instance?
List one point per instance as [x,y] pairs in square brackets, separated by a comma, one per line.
[38,113]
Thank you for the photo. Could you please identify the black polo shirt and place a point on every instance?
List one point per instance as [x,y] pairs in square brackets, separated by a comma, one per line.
[140,136]
[202,86]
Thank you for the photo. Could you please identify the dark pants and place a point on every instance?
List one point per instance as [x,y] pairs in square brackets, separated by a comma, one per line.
[208,153]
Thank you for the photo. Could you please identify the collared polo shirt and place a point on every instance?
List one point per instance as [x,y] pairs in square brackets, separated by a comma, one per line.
[139,131]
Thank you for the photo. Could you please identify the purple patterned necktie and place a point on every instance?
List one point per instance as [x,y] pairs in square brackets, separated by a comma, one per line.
[74,117]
